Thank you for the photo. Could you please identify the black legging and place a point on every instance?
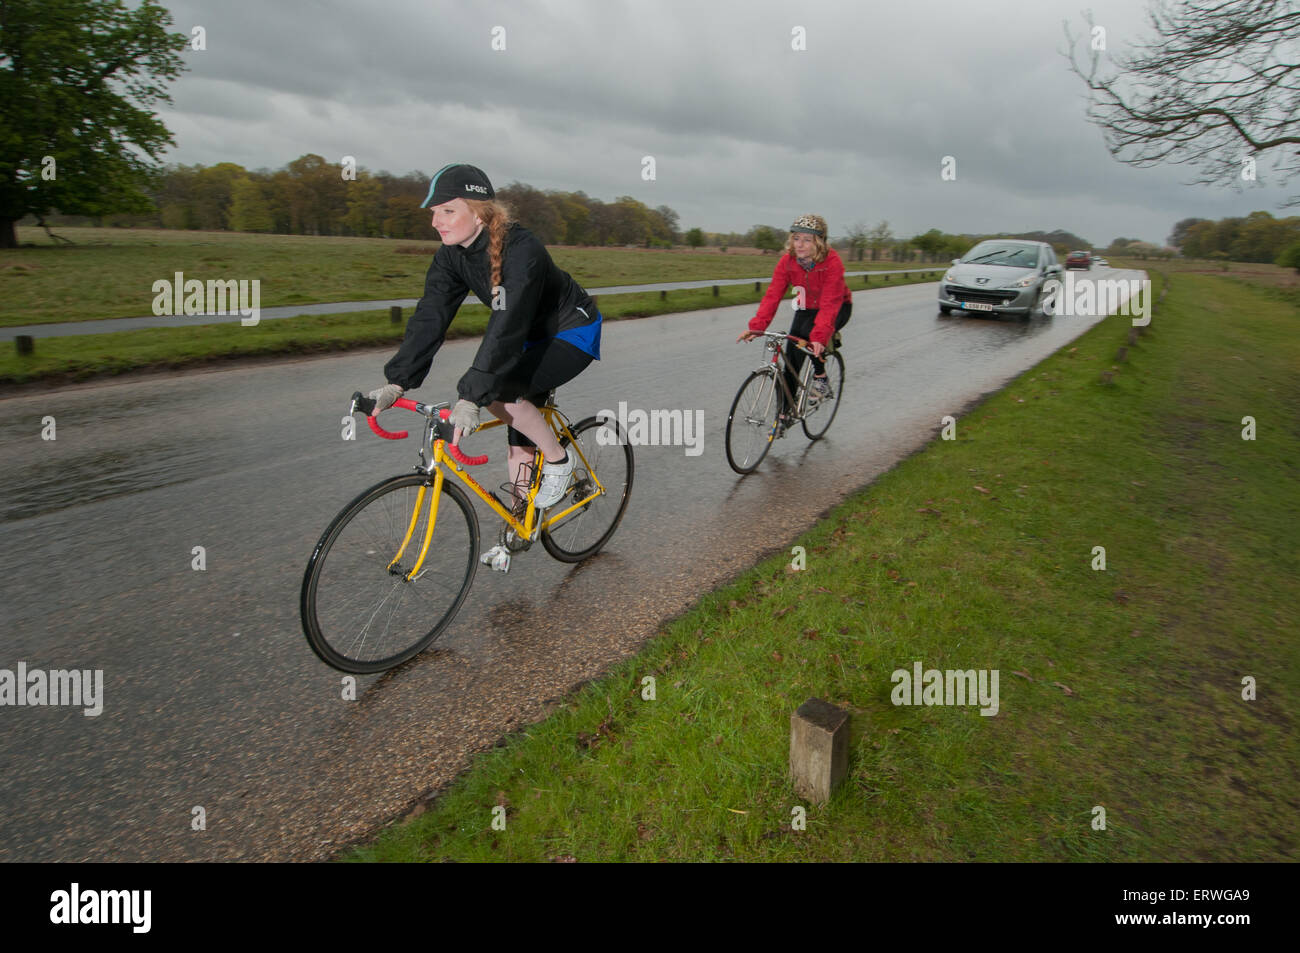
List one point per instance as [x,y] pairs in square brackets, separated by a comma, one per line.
[543,368]
[802,327]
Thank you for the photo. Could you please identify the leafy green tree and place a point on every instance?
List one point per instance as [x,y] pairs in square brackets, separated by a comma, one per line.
[211,195]
[320,199]
[574,209]
[664,222]
[1258,238]
[766,238]
[173,193]
[930,243]
[1289,257]
[248,209]
[954,246]
[365,215]
[405,218]
[1199,241]
[1179,234]
[1226,231]
[78,80]
[535,210]
[606,224]
[629,221]
[695,238]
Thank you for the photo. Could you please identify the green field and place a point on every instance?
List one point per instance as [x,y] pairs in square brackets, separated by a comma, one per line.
[340,269]
[1120,689]
[109,272]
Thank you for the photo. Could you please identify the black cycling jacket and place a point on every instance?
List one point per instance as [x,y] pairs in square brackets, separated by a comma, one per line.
[539,301]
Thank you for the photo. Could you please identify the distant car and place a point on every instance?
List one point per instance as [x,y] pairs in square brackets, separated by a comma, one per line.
[1100,261]
[1079,259]
[999,277]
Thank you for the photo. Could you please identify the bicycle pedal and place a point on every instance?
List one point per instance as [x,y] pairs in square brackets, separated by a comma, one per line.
[498,558]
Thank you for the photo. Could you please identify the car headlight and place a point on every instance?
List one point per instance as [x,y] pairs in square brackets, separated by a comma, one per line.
[1025,282]
[947,275]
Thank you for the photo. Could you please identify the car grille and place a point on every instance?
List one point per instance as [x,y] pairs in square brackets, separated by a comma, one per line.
[981,295]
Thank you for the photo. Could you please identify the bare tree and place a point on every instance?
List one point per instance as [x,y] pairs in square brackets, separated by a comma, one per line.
[1218,86]
[857,236]
[878,238]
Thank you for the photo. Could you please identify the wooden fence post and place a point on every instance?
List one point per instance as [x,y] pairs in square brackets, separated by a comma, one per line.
[819,749]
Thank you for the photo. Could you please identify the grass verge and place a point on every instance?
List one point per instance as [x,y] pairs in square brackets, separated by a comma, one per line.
[1120,689]
[81,357]
[109,272]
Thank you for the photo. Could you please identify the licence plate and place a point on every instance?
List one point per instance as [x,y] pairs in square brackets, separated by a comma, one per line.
[976,306]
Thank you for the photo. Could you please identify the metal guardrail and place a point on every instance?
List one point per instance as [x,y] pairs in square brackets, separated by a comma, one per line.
[24,336]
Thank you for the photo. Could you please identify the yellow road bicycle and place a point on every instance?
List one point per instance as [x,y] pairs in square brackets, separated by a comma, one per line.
[394,567]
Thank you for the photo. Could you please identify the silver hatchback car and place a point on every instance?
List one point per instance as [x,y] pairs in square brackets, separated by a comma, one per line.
[999,276]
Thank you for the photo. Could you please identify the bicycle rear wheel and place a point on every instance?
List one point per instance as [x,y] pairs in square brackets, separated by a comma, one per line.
[752,421]
[817,420]
[607,456]
[361,616]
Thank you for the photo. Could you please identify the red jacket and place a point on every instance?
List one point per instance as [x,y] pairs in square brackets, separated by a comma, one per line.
[824,292]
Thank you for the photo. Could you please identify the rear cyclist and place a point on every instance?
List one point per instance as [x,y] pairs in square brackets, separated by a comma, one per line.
[542,332]
[811,264]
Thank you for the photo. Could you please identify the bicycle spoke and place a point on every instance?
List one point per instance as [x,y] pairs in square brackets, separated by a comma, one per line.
[607,461]
[751,422]
[358,615]
[818,419]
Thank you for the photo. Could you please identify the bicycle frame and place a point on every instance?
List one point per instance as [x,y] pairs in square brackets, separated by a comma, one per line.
[530,528]
[777,366]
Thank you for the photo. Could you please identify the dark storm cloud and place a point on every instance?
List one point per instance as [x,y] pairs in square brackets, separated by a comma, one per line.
[743,128]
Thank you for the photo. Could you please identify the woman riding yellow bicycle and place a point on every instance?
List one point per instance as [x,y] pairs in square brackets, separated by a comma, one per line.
[544,329]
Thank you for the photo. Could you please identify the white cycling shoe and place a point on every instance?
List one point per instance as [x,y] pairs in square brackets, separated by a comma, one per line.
[498,557]
[555,482]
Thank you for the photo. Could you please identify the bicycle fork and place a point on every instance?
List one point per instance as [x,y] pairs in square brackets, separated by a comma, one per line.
[416,510]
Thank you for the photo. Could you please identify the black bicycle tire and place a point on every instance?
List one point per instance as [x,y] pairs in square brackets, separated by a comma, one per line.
[319,642]
[839,396]
[767,445]
[548,541]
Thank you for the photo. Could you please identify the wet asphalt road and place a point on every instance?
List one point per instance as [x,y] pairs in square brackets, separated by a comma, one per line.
[212,698]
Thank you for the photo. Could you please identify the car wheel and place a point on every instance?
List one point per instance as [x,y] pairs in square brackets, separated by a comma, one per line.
[944,309]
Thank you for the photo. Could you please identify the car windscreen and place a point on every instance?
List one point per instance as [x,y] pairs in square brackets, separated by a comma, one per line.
[990,253]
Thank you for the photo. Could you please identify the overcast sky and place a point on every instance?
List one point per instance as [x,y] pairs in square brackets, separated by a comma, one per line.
[744,130]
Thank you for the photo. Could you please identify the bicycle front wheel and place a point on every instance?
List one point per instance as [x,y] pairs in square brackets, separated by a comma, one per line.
[606,455]
[752,421]
[360,613]
[817,420]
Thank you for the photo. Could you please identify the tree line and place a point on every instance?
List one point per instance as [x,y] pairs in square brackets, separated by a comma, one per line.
[1257,237]
[312,196]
